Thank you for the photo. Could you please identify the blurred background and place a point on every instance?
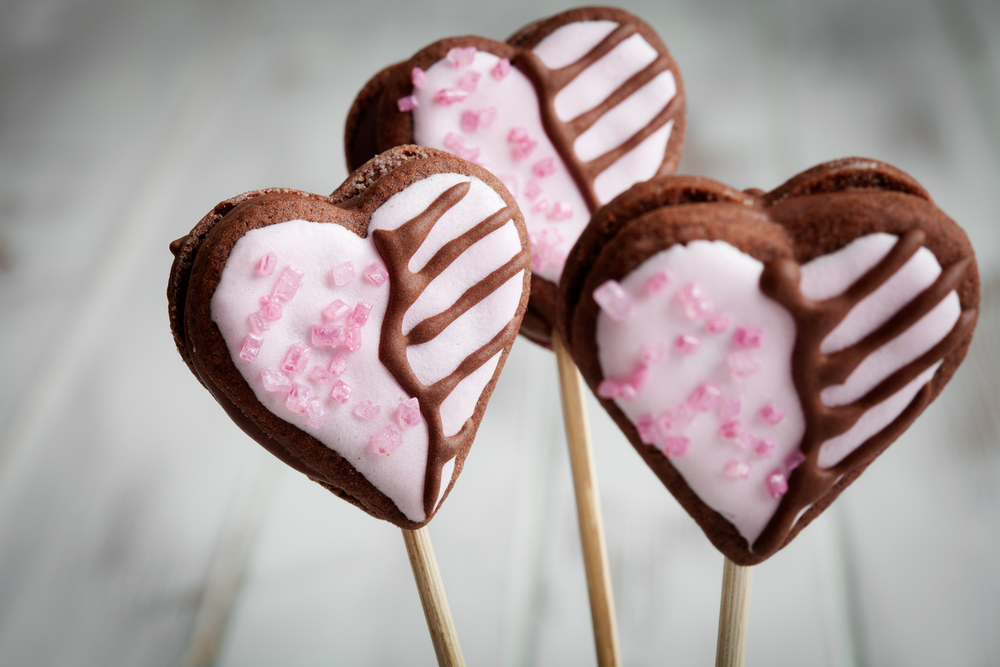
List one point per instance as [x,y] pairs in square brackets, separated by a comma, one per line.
[138,526]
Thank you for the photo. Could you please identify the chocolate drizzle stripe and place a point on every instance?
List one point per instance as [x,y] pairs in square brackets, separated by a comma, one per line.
[472,362]
[904,249]
[599,164]
[431,327]
[564,75]
[453,249]
[584,121]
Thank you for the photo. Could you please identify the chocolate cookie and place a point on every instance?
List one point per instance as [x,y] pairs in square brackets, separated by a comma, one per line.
[760,350]
[358,337]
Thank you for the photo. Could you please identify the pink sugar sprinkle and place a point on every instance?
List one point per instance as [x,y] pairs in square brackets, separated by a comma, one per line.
[561,210]
[794,459]
[258,323]
[321,375]
[729,408]
[732,429]
[360,314]
[276,381]
[639,378]
[654,353]
[540,206]
[449,96]
[288,283]
[718,324]
[338,365]
[461,57]
[342,274]
[647,429]
[696,306]
[524,149]
[777,485]
[267,264]
[418,78]
[544,249]
[705,397]
[453,142]
[408,413]
[470,120]
[613,300]
[741,365]
[298,398]
[687,343]
[270,308]
[386,440]
[352,338]
[296,359]
[771,413]
[737,469]
[673,422]
[315,413]
[251,347]
[487,115]
[517,135]
[749,337]
[408,103]
[376,273]
[501,69]
[616,389]
[657,282]
[341,392]
[336,311]
[545,167]
[763,447]
[367,409]
[676,446]
[469,81]
[329,335]
[533,189]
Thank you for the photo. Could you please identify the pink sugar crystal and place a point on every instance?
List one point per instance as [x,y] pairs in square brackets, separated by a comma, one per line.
[524,149]
[647,429]
[329,335]
[794,459]
[408,413]
[288,283]
[561,210]
[360,314]
[270,308]
[777,485]
[639,378]
[687,343]
[696,306]
[673,422]
[352,338]
[729,408]
[616,389]
[338,365]
[718,324]
[258,323]
[469,81]
[449,96]
[741,365]
[251,347]
[654,353]
[461,57]
[453,142]
[337,310]
[613,300]
[367,409]
[276,381]
[296,359]
[470,120]
[763,447]
[315,413]
[544,249]
[540,206]
[676,446]
[771,413]
[545,167]
[501,69]
[749,337]
[737,469]
[320,375]
[267,264]
[517,135]
[533,188]
[341,392]
[342,274]
[387,439]
[705,397]
[376,273]
[408,103]
[298,398]
[418,78]
[732,429]
[657,282]
[487,115]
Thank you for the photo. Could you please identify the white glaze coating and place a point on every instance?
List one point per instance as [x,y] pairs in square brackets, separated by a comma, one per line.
[568,43]
[639,164]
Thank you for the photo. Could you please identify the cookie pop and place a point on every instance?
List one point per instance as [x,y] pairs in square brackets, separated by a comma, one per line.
[358,337]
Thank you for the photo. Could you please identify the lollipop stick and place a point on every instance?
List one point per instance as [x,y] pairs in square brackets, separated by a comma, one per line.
[588,509]
[734,615]
[433,598]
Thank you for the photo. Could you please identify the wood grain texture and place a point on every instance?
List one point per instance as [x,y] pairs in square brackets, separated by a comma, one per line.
[734,615]
[433,598]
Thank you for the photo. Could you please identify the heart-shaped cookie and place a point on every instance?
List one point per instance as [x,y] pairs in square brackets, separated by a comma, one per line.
[358,337]
[569,113]
[760,350]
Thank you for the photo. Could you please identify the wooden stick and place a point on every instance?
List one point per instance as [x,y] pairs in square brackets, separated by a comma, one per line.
[734,615]
[433,598]
[588,509]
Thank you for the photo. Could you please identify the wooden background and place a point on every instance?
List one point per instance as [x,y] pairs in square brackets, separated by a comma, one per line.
[139,527]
